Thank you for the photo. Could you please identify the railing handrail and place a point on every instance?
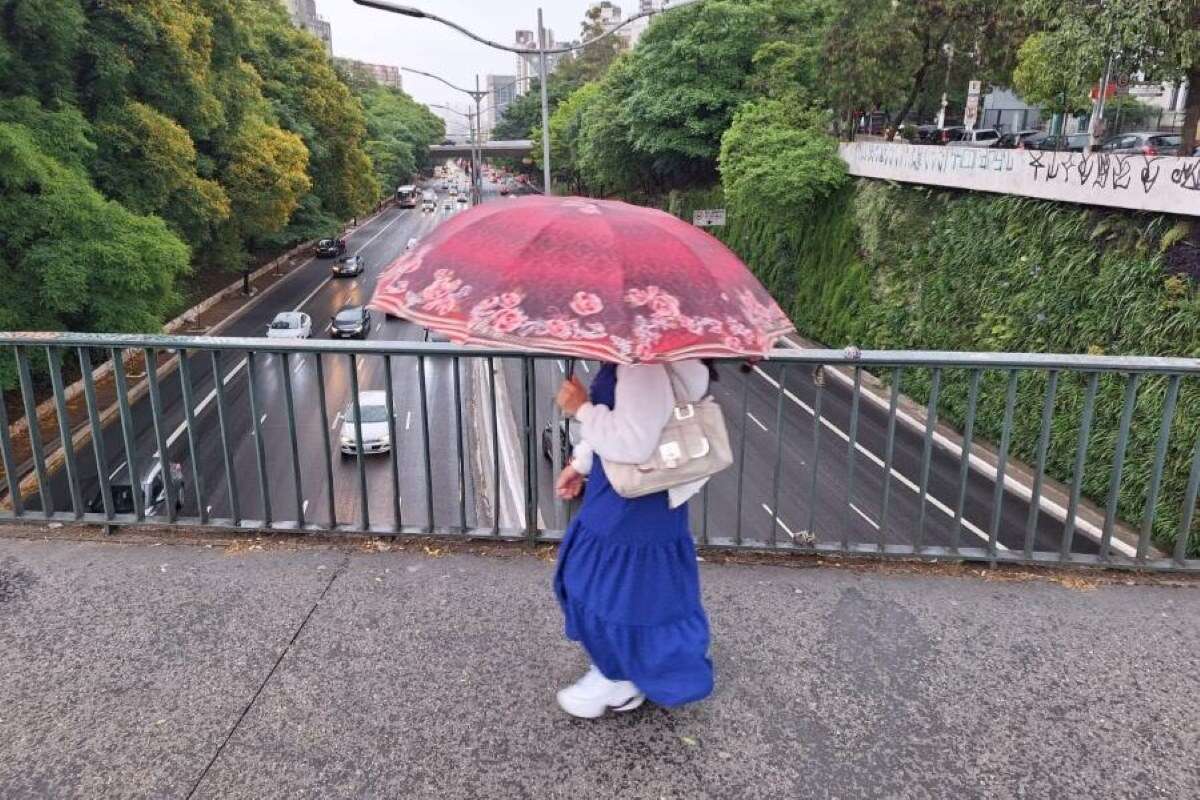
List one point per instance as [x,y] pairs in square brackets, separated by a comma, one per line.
[850,356]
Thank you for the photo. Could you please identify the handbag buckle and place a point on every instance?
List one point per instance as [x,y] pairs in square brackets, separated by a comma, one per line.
[685,412]
[671,454]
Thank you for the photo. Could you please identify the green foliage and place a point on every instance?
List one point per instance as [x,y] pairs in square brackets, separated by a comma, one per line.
[566,128]
[777,162]
[71,258]
[1057,70]
[399,132]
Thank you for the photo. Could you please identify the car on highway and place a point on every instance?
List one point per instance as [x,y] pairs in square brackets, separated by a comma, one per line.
[376,432]
[352,322]
[462,198]
[152,487]
[453,191]
[448,205]
[504,190]
[548,442]
[349,266]
[290,325]
[1146,143]
[330,248]
[429,203]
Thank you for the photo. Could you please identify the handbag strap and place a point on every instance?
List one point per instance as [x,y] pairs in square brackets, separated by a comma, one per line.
[677,387]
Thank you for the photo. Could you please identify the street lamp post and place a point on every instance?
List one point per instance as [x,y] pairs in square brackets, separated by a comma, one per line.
[476,152]
[543,51]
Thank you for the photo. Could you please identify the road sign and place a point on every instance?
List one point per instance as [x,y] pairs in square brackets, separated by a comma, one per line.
[709,218]
[971,112]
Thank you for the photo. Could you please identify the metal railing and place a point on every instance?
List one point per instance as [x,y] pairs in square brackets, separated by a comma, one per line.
[829,459]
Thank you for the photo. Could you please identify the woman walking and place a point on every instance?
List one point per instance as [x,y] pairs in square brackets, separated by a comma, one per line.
[627,579]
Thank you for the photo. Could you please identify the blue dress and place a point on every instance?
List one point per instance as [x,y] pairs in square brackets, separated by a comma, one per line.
[629,587]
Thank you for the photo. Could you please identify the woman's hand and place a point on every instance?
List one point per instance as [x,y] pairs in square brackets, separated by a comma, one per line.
[571,395]
[569,483]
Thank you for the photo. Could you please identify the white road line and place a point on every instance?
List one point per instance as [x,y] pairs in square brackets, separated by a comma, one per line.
[300,362]
[754,419]
[845,437]
[336,421]
[407,420]
[262,419]
[862,514]
[782,524]
[586,368]
[304,507]
[561,368]
[208,510]
[378,325]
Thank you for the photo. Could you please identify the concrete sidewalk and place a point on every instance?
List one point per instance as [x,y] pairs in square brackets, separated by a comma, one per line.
[174,671]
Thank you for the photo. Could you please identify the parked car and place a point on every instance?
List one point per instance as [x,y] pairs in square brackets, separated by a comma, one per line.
[951,134]
[1073,143]
[1017,138]
[352,322]
[376,433]
[290,325]
[349,266]
[984,137]
[152,487]
[548,442]
[331,248]
[1151,143]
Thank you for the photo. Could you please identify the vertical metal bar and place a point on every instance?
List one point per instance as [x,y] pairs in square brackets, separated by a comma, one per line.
[10,465]
[889,450]
[1081,448]
[852,452]
[704,513]
[1156,471]
[139,506]
[35,433]
[495,450]
[556,449]
[160,436]
[363,499]
[289,405]
[783,370]
[189,416]
[264,491]
[394,450]
[1035,497]
[531,487]
[223,424]
[330,494]
[1118,467]
[742,456]
[1189,507]
[816,458]
[964,466]
[54,362]
[931,416]
[1010,401]
[461,449]
[425,442]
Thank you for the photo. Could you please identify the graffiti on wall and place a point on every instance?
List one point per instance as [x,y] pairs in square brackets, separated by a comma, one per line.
[1126,180]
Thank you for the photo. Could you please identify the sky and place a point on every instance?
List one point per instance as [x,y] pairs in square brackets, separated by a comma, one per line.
[380,37]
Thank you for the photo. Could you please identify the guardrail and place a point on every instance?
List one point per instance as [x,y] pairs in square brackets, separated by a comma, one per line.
[868,477]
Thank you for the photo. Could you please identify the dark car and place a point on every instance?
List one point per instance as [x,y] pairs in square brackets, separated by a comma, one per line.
[1151,143]
[1017,139]
[1073,143]
[349,266]
[330,248]
[152,490]
[952,134]
[352,322]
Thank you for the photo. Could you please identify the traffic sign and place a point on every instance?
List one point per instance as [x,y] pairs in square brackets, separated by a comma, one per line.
[709,218]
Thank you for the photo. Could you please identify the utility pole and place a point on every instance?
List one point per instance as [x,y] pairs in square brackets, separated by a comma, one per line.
[545,105]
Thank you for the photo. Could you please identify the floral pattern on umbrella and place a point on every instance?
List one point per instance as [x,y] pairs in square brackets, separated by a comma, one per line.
[593,279]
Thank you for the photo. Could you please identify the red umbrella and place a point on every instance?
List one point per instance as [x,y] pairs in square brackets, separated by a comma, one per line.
[589,278]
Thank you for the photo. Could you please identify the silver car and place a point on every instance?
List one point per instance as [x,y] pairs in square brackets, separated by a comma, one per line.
[1146,143]
[376,432]
[152,488]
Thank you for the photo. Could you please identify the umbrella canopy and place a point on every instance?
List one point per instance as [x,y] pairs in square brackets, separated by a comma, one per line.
[588,278]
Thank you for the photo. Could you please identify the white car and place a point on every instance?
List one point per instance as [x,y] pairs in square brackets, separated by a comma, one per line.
[984,137]
[290,325]
[376,433]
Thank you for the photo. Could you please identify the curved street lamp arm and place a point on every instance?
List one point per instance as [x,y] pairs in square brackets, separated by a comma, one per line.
[443,80]
[409,11]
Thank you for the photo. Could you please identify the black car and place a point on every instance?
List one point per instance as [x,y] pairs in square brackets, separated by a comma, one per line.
[548,442]
[352,322]
[1016,139]
[330,248]
[349,266]
[1072,143]
[151,490]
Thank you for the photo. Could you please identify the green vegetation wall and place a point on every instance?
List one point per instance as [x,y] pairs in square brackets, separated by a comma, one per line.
[884,266]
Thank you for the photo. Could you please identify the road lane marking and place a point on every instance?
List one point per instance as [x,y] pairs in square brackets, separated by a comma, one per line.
[845,437]
[804,536]
[754,419]
[300,362]
[407,420]
[304,507]
[586,368]
[562,368]
[175,434]
[862,514]
[208,510]
[336,421]
[262,419]
[378,325]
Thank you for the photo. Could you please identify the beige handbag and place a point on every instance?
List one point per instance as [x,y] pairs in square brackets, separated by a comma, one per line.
[694,445]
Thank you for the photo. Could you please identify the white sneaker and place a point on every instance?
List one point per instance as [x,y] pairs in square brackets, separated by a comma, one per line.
[593,694]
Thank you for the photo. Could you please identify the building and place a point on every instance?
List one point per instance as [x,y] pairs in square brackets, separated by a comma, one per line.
[304,16]
[632,32]
[384,74]
[609,15]
[502,90]
[527,63]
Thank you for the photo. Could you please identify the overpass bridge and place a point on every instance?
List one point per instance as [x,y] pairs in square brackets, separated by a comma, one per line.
[517,148]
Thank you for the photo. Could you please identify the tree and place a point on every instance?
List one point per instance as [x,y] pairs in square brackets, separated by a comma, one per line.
[608,162]
[1158,40]
[566,127]
[1055,71]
